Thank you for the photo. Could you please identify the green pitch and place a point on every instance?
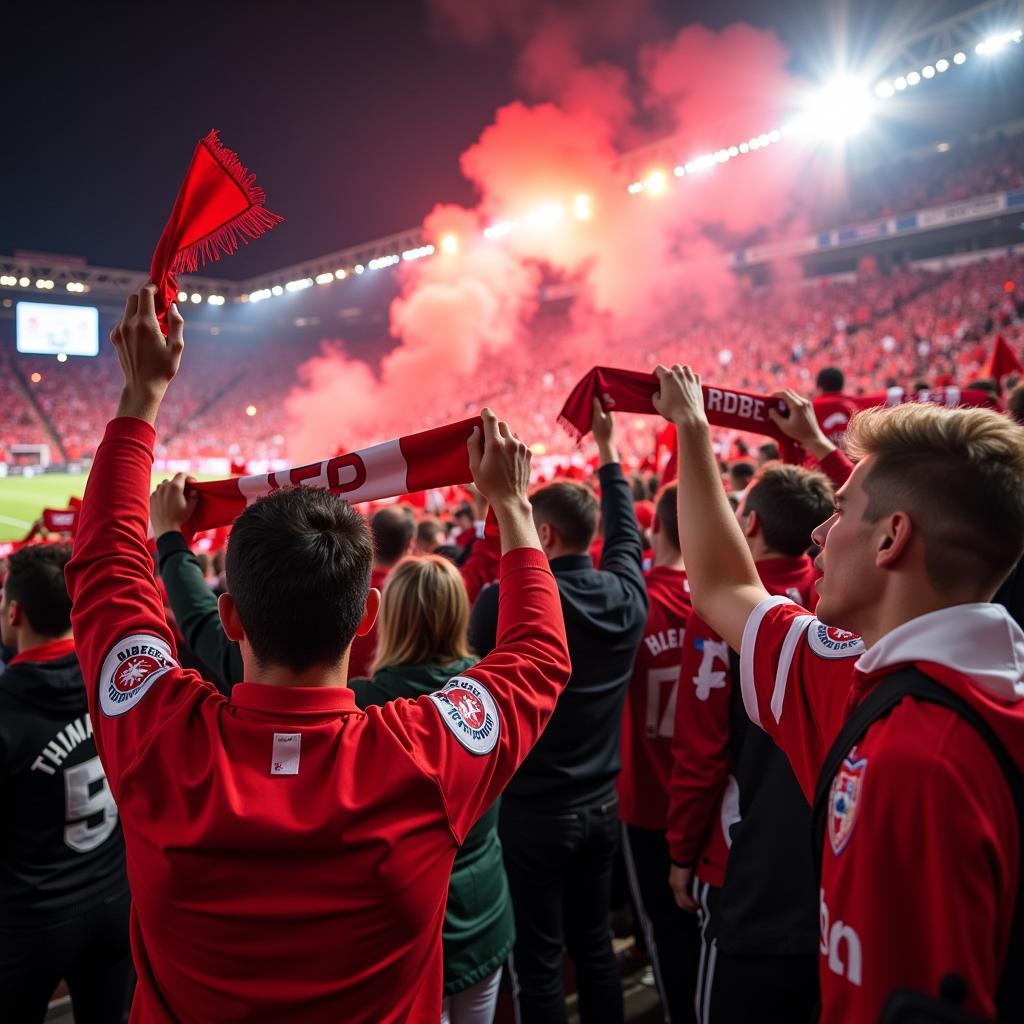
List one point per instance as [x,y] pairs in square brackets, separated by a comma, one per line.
[23,500]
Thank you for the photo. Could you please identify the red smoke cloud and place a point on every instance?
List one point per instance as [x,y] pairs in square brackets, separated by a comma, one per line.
[632,261]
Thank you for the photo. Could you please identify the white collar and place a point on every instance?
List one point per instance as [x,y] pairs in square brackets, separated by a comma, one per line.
[981,641]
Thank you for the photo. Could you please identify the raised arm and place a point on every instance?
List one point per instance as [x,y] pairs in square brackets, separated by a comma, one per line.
[193,603]
[724,584]
[474,733]
[801,425]
[623,550]
[125,647]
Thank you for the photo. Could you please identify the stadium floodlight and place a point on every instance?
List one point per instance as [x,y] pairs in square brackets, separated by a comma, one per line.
[582,207]
[215,300]
[928,71]
[277,290]
[358,268]
[24,282]
[62,357]
[547,215]
[260,294]
[634,187]
[899,83]
[997,42]
[340,274]
[379,262]
[679,171]
[300,285]
[325,278]
[884,90]
[656,182]
[449,245]
[734,151]
[196,297]
[941,65]
[183,296]
[913,78]
[841,108]
[419,252]
[959,58]
[499,229]
[250,410]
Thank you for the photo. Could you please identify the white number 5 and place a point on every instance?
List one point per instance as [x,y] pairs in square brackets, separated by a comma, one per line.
[90,813]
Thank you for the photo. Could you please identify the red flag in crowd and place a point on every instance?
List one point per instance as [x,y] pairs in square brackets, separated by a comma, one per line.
[218,204]
[1004,360]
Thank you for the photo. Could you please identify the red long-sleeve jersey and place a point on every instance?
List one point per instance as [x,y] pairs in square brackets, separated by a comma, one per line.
[288,854]
[704,800]
[921,866]
[649,713]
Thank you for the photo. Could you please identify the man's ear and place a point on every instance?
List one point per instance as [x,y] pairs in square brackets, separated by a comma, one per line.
[894,540]
[12,611]
[229,619]
[546,534]
[369,613]
[750,523]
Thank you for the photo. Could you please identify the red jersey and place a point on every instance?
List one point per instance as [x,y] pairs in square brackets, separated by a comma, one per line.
[920,870]
[649,714]
[288,854]
[834,412]
[705,800]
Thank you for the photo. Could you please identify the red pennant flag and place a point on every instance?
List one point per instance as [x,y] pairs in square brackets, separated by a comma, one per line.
[1004,360]
[218,204]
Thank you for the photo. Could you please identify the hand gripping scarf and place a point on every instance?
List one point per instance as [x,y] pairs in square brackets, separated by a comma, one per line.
[218,204]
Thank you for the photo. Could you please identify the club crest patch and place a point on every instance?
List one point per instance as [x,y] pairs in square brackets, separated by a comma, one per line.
[468,709]
[832,642]
[844,800]
[130,669]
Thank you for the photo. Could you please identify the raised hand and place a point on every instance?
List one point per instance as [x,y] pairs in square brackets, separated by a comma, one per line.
[604,431]
[680,398]
[801,424]
[148,360]
[500,464]
[169,507]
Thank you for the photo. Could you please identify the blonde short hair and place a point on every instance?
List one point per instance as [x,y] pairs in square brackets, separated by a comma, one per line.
[424,615]
[959,474]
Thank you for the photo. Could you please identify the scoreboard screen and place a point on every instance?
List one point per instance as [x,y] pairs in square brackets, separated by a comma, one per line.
[49,329]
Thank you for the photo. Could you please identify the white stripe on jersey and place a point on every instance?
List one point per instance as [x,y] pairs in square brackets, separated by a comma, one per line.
[747,645]
[797,629]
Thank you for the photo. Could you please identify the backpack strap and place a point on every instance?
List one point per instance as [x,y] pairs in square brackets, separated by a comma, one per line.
[912,682]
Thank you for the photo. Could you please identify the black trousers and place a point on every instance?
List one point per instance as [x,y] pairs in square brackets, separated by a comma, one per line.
[89,951]
[672,935]
[559,871]
[738,988]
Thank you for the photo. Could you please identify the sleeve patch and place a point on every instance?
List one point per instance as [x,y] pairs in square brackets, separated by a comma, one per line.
[130,669]
[469,711]
[832,642]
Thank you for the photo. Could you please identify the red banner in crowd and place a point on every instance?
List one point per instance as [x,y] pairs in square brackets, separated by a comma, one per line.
[416,462]
[218,204]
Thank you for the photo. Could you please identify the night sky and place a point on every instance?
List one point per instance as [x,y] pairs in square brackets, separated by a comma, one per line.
[352,115]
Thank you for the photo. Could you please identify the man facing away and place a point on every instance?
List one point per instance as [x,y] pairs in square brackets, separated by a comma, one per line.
[559,816]
[289,854]
[921,864]
[63,891]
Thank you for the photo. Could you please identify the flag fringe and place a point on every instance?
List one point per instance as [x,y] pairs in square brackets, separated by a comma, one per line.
[252,223]
[572,430]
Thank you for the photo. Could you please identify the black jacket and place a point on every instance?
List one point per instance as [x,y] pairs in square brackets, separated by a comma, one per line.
[576,759]
[61,849]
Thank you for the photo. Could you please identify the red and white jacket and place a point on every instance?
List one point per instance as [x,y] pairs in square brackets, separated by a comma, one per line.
[289,854]
[704,799]
[921,866]
[649,715]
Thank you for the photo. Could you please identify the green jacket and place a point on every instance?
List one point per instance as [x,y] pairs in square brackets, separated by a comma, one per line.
[195,610]
[478,929]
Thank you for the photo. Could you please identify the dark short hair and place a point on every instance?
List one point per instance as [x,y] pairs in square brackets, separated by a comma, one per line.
[741,473]
[570,509]
[790,502]
[35,579]
[830,379]
[770,450]
[429,531]
[393,530]
[298,569]
[666,509]
[1015,403]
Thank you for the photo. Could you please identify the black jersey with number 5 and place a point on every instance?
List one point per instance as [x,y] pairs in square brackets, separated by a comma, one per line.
[61,849]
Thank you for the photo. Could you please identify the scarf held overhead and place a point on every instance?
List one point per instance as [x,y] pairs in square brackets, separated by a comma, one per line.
[416,462]
[218,204]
